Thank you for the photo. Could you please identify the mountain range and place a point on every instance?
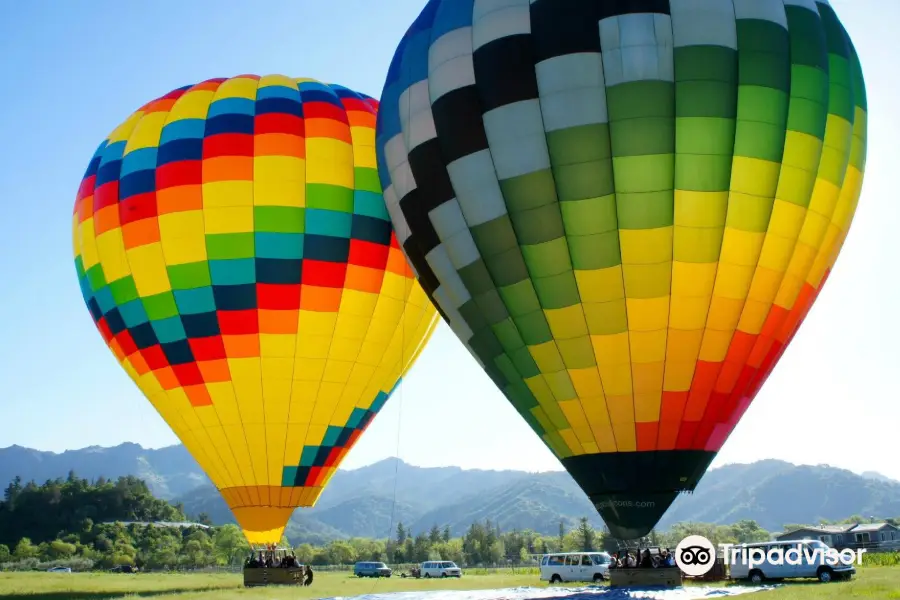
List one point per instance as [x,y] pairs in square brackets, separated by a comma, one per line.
[370,501]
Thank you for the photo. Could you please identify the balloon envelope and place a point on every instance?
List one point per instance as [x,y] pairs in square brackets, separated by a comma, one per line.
[624,210]
[236,255]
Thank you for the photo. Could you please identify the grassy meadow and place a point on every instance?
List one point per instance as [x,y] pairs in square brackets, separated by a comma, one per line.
[871,582]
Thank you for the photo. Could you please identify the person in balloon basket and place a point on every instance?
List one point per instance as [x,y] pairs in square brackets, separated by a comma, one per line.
[666,558]
[646,560]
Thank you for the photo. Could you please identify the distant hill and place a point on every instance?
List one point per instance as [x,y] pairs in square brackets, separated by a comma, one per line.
[877,476]
[168,472]
[360,502]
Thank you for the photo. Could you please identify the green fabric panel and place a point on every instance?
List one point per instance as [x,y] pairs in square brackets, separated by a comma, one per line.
[697,245]
[534,328]
[520,299]
[538,225]
[640,99]
[749,213]
[557,291]
[547,259]
[643,136]
[807,38]
[508,335]
[577,353]
[528,191]
[491,306]
[595,251]
[606,318]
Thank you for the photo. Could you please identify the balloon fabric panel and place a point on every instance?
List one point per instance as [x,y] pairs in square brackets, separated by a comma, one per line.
[234,250]
[624,209]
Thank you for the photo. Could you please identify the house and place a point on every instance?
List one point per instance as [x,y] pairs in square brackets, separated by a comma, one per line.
[873,536]
[878,534]
[176,524]
[833,535]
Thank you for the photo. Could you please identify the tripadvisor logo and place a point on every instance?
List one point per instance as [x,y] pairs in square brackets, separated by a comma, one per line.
[798,554]
[695,555]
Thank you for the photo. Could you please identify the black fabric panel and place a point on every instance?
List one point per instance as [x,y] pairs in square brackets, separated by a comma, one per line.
[504,71]
[433,189]
[616,8]
[560,27]
[424,235]
[457,121]
[632,490]
[427,279]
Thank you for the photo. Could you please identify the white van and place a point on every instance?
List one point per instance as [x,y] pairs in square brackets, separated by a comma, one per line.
[440,568]
[810,563]
[575,566]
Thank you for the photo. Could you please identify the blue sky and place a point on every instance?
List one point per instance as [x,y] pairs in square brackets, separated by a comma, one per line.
[72,74]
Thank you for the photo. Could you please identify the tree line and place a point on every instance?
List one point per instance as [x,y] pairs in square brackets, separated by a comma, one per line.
[80,523]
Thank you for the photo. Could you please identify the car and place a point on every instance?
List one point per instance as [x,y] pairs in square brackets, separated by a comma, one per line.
[123,569]
[59,570]
[440,568]
[807,562]
[371,569]
[575,566]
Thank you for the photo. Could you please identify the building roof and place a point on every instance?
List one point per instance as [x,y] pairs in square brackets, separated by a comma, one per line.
[181,524]
[822,529]
[842,528]
[871,527]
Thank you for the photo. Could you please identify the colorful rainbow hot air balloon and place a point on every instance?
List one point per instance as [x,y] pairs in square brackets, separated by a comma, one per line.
[235,252]
[624,210]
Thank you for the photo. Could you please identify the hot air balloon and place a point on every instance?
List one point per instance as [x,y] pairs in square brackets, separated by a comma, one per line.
[624,210]
[235,253]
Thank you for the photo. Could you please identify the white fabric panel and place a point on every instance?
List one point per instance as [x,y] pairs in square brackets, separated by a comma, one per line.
[447,219]
[451,75]
[477,190]
[401,227]
[402,179]
[703,23]
[572,90]
[637,47]
[516,136]
[421,128]
[483,7]
[462,249]
[570,71]
[445,272]
[763,10]
[584,106]
[451,45]
[499,23]
[450,63]
[810,4]
[455,320]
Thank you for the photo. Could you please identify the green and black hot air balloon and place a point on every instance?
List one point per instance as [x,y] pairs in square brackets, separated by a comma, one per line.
[624,209]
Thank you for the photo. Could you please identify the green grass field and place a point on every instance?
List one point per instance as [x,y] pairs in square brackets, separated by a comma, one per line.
[872,582]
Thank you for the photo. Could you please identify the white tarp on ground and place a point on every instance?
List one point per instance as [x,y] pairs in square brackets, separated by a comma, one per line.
[588,593]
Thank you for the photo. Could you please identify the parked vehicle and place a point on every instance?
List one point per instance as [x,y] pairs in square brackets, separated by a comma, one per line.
[440,568]
[59,570]
[371,569]
[124,569]
[575,566]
